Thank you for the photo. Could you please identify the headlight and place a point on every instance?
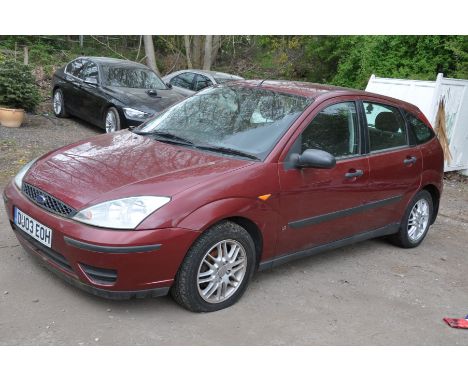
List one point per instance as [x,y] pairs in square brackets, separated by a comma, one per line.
[19,177]
[124,213]
[134,113]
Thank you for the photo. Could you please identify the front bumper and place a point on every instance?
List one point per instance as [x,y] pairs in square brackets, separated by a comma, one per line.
[116,264]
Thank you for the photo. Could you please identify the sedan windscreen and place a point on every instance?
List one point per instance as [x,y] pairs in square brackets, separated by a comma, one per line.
[128,77]
[249,120]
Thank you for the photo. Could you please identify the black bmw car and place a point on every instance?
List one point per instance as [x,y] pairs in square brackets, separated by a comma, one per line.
[110,93]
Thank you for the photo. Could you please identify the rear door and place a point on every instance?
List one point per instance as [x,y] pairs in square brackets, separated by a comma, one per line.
[201,82]
[72,87]
[92,97]
[395,165]
[184,82]
[320,206]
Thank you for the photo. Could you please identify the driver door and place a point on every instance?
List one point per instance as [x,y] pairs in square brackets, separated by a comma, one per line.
[320,206]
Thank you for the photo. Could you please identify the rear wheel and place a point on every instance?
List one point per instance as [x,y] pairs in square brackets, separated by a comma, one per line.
[112,120]
[58,104]
[416,221]
[216,270]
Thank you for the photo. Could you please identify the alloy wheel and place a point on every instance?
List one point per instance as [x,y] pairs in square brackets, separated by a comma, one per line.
[111,122]
[57,103]
[418,220]
[221,271]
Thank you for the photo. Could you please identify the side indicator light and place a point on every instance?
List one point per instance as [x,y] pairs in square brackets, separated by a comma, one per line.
[264,197]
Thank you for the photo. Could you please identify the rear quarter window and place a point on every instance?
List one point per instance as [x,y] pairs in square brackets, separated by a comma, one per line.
[422,133]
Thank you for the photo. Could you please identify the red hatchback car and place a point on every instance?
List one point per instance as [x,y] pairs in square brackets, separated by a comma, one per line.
[239,177]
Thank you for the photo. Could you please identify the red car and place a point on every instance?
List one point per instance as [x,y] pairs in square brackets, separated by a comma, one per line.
[240,177]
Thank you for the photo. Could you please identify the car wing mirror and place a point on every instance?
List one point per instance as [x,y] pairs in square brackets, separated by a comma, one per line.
[91,81]
[168,85]
[315,159]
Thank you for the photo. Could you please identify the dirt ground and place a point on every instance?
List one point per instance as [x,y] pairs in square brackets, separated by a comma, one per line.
[370,293]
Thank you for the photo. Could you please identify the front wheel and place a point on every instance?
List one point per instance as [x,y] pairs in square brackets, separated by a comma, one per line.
[112,120]
[216,270]
[416,221]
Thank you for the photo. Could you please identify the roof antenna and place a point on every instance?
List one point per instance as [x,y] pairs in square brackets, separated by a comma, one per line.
[261,82]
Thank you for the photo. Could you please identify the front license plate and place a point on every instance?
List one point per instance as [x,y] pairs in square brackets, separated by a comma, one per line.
[33,228]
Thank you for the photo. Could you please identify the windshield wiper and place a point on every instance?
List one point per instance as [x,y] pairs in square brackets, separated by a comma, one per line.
[164,135]
[228,150]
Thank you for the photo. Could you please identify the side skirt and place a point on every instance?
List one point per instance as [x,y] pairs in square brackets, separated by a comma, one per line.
[282,259]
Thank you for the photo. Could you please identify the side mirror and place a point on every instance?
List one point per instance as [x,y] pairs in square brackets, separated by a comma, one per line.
[168,85]
[315,159]
[91,81]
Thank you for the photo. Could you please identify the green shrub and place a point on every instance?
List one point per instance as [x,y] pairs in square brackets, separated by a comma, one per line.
[18,89]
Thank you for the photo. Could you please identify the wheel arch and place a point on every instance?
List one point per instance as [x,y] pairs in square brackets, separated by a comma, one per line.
[257,218]
[435,194]
[253,230]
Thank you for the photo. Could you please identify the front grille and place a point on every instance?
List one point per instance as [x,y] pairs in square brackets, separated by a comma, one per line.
[100,275]
[53,256]
[49,203]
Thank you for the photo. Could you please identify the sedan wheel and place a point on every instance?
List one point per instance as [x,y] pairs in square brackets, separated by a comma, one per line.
[58,104]
[216,270]
[112,121]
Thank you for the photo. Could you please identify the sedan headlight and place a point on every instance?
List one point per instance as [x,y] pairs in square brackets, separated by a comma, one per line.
[19,177]
[124,213]
[134,113]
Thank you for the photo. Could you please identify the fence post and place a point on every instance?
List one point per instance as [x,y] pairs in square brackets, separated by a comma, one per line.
[26,56]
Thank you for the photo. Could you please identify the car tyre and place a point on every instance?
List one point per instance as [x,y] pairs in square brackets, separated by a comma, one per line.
[112,120]
[416,221]
[58,104]
[217,269]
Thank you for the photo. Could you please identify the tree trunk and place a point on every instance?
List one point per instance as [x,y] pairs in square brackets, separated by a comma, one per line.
[26,56]
[196,53]
[187,51]
[208,50]
[216,46]
[149,51]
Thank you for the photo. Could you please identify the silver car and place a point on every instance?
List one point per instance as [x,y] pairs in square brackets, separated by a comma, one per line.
[190,81]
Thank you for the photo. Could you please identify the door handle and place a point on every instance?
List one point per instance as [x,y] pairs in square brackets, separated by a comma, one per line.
[409,160]
[354,174]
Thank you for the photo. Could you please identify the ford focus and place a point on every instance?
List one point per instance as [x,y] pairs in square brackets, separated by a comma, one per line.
[240,177]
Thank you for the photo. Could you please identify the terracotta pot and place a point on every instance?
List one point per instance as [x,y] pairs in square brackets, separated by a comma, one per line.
[11,117]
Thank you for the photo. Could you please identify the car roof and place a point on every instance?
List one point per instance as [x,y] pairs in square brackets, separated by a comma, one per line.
[209,72]
[314,90]
[113,61]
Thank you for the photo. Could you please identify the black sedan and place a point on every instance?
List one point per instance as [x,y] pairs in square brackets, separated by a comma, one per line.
[110,93]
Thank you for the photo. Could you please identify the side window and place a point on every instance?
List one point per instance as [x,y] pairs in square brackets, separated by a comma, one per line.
[201,82]
[74,67]
[335,130]
[184,80]
[422,132]
[386,126]
[90,70]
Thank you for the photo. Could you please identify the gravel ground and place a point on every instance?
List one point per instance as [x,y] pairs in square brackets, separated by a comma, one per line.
[370,293]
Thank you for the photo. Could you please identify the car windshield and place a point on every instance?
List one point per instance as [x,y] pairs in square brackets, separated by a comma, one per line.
[131,77]
[232,118]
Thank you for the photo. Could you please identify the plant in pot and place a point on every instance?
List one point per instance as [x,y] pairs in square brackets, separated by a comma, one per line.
[18,92]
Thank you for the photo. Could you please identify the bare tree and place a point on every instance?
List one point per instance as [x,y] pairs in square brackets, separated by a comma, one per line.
[216,46]
[149,51]
[187,51]
[208,50]
[197,51]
